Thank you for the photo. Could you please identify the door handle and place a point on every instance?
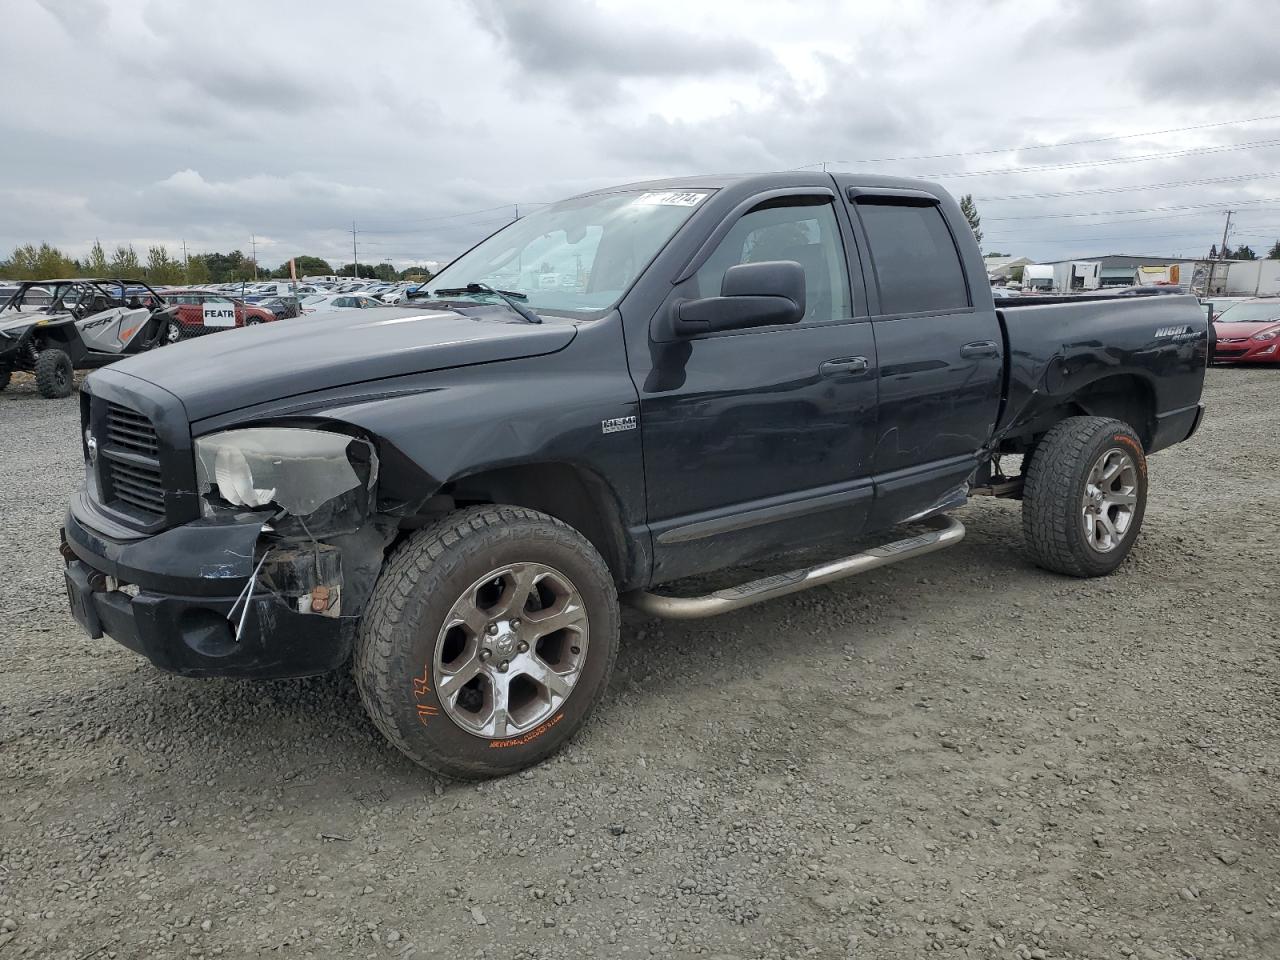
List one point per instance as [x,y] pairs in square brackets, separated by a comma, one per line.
[844,365]
[980,348]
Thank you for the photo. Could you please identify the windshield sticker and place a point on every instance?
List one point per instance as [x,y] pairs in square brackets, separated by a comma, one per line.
[670,198]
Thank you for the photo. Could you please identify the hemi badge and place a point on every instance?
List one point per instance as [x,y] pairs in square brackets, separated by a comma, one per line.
[617,424]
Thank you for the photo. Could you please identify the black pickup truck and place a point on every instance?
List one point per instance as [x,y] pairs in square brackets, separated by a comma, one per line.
[625,389]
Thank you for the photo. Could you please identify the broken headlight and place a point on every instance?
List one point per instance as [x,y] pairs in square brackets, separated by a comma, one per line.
[297,469]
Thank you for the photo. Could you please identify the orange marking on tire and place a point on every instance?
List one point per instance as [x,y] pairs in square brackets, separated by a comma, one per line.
[422,684]
[528,737]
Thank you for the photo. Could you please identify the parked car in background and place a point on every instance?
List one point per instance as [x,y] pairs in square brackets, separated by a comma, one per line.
[284,288]
[200,312]
[283,308]
[1217,304]
[329,302]
[1249,332]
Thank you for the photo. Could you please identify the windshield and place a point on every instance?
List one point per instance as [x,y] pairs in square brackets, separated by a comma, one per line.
[1251,313]
[576,256]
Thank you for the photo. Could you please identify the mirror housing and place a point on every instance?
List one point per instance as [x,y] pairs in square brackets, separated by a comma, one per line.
[751,295]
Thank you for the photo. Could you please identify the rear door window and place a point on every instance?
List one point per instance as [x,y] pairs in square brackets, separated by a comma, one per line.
[917,265]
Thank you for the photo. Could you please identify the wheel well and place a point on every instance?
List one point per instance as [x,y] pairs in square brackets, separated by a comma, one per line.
[1127,398]
[576,496]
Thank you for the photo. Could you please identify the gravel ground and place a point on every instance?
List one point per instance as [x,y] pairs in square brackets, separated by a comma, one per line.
[961,755]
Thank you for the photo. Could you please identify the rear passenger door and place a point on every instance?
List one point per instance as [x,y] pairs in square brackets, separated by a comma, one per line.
[940,350]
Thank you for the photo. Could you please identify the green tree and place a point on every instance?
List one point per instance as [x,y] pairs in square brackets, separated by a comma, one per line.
[162,268]
[366,271]
[44,262]
[970,211]
[385,271]
[1274,252]
[197,272]
[416,273]
[1242,252]
[96,264]
[124,262]
[311,267]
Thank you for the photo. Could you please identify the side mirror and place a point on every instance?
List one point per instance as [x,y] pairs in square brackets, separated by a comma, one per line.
[751,295]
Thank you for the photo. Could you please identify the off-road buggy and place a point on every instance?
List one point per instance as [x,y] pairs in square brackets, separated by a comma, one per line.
[54,327]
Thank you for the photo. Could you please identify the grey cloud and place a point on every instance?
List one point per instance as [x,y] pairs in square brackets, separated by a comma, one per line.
[81,19]
[159,120]
[569,38]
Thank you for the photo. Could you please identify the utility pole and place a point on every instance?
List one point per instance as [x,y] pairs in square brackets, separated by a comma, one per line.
[253,242]
[1222,252]
[186,263]
[355,259]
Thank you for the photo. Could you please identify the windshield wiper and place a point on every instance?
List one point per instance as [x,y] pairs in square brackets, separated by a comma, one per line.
[507,296]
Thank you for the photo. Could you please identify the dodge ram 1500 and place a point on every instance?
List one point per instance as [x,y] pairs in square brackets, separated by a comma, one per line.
[624,389]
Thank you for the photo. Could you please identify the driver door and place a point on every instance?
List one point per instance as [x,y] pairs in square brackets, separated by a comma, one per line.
[759,440]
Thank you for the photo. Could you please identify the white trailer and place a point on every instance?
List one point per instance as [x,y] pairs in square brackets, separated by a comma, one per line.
[1037,276]
[1072,275]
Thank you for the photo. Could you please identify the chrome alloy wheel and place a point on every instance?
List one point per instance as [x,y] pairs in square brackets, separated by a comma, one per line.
[511,650]
[1110,498]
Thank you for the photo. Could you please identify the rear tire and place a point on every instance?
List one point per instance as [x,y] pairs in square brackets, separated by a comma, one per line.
[488,640]
[1084,496]
[55,376]
[5,377]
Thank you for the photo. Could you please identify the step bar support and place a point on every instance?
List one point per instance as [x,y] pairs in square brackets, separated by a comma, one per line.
[945,532]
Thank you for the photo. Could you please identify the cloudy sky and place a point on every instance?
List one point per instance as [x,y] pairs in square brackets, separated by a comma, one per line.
[151,121]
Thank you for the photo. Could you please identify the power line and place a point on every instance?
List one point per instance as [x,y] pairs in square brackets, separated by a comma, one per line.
[1046,146]
[1200,207]
[1082,164]
[1140,186]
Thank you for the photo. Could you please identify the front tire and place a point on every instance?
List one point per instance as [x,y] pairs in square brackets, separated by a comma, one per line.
[1084,496]
[488,640]
[55,376]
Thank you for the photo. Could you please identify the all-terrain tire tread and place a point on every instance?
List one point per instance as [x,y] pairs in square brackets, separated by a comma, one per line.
[402,576]
[47,365]
[1048,506]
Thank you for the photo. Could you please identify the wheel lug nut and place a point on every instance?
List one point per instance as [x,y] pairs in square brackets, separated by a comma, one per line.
[522,647]
[515,624]
[485,654]
[491,629]
[502,667]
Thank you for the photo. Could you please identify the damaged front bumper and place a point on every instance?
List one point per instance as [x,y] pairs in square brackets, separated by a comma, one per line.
[207,598]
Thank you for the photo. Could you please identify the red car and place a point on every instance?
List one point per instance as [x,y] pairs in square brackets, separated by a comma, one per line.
[200,312]
[1249,332]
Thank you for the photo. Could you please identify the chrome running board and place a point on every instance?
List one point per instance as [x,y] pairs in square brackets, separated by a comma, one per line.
[947,531]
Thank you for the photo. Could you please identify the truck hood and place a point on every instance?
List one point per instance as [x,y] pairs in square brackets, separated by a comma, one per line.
[239,368]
